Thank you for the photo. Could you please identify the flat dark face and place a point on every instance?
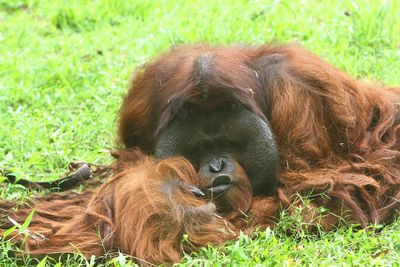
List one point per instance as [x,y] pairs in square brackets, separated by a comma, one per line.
[213,140]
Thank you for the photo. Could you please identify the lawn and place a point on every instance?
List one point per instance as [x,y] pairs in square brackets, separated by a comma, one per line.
[64,67]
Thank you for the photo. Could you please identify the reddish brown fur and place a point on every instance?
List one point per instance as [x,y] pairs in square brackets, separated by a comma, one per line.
[338,140]
[335,134]
[143,211]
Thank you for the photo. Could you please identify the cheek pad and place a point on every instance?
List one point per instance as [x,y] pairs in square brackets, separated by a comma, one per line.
[169,143]
[259,158]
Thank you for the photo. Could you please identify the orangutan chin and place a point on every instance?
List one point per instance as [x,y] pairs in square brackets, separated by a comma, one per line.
[229,137]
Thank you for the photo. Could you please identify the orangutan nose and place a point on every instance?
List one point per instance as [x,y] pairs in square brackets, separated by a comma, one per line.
[216,165]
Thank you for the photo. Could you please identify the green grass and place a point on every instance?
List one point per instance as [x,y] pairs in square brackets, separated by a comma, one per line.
[64,66]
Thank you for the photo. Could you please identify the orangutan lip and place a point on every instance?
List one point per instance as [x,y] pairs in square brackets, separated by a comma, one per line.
[219,188]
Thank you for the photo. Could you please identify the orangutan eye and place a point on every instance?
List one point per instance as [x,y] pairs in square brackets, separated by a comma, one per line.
[200,148]
[228,144]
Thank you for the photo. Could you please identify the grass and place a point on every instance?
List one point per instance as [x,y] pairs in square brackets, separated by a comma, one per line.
[64,66]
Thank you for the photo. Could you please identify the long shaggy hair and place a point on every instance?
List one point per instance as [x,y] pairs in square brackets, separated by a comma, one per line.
[148,197]
[335,134]
[338,141]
